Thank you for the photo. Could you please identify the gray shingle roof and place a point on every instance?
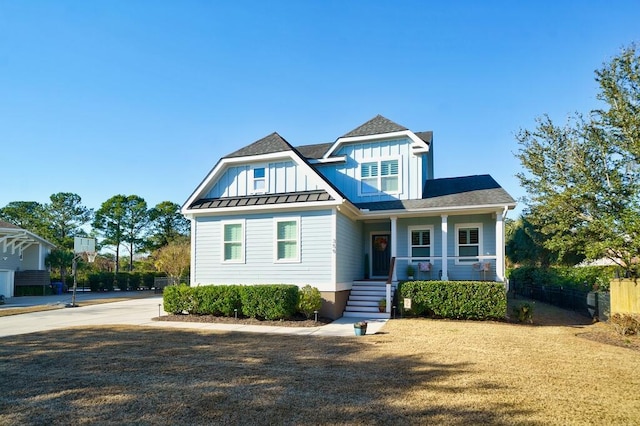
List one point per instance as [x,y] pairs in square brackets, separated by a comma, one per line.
[267,145]
[259,200]
[450,192]
[377,125]
[425,136]
[314,151]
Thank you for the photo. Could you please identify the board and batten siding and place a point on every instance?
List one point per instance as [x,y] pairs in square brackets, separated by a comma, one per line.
[281,177]
[346,176]
[349,252]
[259,267]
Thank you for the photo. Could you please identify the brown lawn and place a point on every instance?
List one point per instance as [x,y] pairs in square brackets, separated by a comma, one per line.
[414,372]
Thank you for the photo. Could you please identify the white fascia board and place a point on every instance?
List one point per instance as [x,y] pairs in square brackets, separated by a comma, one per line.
[382,136]
[338,159]
[483,209]
[24,235]
[315,205]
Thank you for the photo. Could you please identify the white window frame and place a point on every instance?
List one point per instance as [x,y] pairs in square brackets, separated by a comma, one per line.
[277,220]
[253,180]
[242,223]
[480,243]
[379,177]
[410,230]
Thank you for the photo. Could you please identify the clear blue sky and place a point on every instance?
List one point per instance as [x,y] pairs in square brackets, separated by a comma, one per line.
[143,97]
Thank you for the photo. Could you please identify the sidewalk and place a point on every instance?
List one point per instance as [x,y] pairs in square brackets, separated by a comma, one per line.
[141,312]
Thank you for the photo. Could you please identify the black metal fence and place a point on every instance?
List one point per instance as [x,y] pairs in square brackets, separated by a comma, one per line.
[577,300]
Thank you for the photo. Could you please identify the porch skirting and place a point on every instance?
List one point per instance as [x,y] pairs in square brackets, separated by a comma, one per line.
[333,303]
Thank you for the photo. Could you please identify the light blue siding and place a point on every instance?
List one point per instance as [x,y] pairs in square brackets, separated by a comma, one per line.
[346,176]
[349,250]
[259,268]
[281,176]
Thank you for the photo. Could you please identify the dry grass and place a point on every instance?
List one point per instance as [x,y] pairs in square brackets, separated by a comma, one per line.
[415,372]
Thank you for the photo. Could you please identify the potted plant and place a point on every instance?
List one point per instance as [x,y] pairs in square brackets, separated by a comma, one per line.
[382,304]
[360,328]
[410,271]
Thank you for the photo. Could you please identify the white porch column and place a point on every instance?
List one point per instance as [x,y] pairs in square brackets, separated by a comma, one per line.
[194,231]
[394,251]
[500,261]
[444,227]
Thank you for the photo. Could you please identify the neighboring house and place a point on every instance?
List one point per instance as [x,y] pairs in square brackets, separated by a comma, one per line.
[22,255]
[331,215]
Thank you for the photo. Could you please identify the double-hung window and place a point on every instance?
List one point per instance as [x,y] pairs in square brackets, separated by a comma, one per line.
[468,242]
[379,176]
[233,242]
[287,240]
[420,243]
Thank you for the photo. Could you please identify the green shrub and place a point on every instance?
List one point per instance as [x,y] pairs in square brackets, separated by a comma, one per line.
[271,302]
[94,282]
[122,280]
[221,300]
[135,280]
[456,299]
[309,300]
[148,279]
[178,299]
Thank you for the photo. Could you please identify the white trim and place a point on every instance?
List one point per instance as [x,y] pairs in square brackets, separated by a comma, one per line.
[468,260]
[277,220]
[412,228]
[334,244]
[459,210]
[194,231]
[394,249]
[500,247]
[379,177]
[336,159]
[444,231]
[382,136]
[252,180]
[242,223]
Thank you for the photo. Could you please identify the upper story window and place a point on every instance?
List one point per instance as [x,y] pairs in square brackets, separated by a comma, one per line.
[468,242]
[379,176]
[259,179]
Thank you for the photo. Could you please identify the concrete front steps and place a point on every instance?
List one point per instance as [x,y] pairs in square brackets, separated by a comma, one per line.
[364,298]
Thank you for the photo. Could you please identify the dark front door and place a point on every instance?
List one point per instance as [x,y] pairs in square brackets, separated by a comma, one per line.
[380,254]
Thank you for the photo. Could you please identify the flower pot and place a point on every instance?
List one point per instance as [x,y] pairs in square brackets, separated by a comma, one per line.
[360,331]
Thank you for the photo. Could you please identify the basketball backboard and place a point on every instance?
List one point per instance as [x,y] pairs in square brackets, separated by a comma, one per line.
[84,245]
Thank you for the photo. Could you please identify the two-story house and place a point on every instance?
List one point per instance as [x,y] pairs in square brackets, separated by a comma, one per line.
[334,215]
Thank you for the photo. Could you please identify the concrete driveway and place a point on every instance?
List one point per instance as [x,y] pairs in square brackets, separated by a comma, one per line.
[141,312]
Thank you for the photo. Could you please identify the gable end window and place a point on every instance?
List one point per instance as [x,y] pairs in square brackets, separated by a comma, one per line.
[379,176]
[468,243]
[287,240]
[233,242]
[259,180]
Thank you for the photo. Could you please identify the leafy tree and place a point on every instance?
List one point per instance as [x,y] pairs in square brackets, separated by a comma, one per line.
[109,222]
[28,215]
[174,259]
[59,259]
[66,215]
[583,178]
[167,225]
[135,224]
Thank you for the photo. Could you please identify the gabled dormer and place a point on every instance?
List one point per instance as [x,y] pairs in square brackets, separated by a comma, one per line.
[378,161]
[265,175]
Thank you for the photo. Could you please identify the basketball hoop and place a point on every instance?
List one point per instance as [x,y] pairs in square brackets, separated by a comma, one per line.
[91,256]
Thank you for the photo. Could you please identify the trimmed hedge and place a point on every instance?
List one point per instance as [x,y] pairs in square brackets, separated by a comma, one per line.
[271,302]
[584,278]
[456,299]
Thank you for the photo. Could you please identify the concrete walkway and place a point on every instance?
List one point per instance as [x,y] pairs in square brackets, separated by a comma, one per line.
[141,312]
